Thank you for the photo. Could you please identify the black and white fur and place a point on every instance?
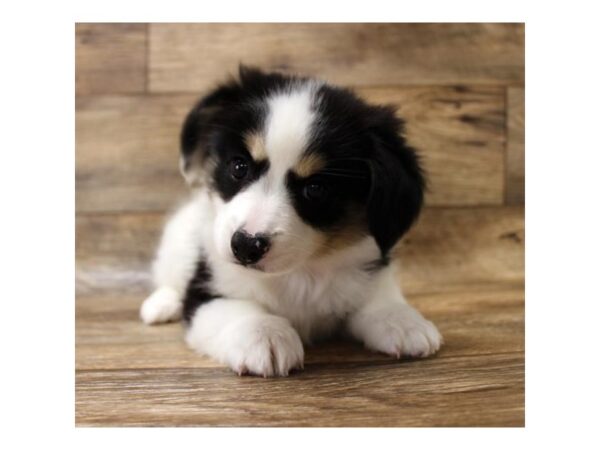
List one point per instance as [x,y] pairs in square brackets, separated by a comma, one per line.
[319,187]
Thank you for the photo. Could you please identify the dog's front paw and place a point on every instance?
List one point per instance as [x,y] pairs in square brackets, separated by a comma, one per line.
[398,330]
[263,345]
[163,305]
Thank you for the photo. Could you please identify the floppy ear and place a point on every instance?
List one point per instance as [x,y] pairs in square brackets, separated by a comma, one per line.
[397,182]
[195,133]
[208,113]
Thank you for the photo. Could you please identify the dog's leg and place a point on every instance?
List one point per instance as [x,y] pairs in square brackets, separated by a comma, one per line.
[244,336]
[390,325]
[173,267]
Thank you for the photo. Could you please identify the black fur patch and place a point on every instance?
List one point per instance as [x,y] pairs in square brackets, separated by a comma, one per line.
[198,292]
[368,163]
[216,126]
[341,139]
[228,148]
[344,188]
[397,182]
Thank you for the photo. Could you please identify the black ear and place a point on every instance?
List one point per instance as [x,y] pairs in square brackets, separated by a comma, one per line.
[397,181]
[216,111]
[196,130]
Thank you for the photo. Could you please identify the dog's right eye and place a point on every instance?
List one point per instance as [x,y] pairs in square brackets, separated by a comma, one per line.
[238,168]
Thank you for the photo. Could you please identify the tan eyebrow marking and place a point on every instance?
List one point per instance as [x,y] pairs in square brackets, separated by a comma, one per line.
[256,145]
[309,164]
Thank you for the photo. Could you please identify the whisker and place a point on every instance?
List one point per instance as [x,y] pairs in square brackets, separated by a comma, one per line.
[343,175]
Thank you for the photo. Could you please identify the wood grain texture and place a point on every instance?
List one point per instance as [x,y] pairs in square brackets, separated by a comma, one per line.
[462,267]
[446,249]
[110,58]
[484,319]
[515,148]
[468,391]
[450,248]
[460,133]
[127,151]
[127,146]
[191,57]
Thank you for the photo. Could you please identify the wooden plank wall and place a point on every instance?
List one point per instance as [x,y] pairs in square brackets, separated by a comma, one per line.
[459,86]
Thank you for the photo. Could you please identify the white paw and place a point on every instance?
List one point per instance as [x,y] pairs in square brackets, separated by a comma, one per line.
[398,330]
[263,345]
[163,305]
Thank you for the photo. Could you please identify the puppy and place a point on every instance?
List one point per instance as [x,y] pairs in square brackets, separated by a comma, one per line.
[300,190]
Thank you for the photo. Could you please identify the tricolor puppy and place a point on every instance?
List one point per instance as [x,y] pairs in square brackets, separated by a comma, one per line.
[300,190]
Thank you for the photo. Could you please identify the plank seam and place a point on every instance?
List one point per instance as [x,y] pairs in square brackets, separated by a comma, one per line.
[147,61]
[338,364]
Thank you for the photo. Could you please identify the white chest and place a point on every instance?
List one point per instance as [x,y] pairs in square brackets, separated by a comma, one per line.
[314,303]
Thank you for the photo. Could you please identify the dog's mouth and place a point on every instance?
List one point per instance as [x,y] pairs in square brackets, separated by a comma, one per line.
[256,266]
[263,269]
[271,264]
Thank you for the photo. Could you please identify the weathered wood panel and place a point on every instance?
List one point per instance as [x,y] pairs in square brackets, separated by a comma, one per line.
[485,390]
[454,247]
[515,148]
[127,152]
[191,57]
[460,132]
[127,146]
[110,58]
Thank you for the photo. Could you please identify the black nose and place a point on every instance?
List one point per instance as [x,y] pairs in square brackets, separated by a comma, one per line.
[249,249]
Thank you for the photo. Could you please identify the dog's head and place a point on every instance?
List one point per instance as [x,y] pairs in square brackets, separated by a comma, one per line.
[299,169]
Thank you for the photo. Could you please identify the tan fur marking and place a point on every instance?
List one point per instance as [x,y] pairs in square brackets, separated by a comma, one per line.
[256,146]
[195,170]
[350,234]
[309,164]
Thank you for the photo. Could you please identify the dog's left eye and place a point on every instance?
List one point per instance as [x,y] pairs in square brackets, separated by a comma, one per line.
[315,191]
[238,168]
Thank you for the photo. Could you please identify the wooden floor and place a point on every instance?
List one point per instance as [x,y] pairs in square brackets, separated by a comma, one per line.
[463,268]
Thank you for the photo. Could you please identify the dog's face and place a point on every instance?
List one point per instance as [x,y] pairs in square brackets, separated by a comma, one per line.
[299,170]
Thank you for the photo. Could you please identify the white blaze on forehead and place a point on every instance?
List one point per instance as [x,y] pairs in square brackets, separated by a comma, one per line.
[288,126]
[265,207]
